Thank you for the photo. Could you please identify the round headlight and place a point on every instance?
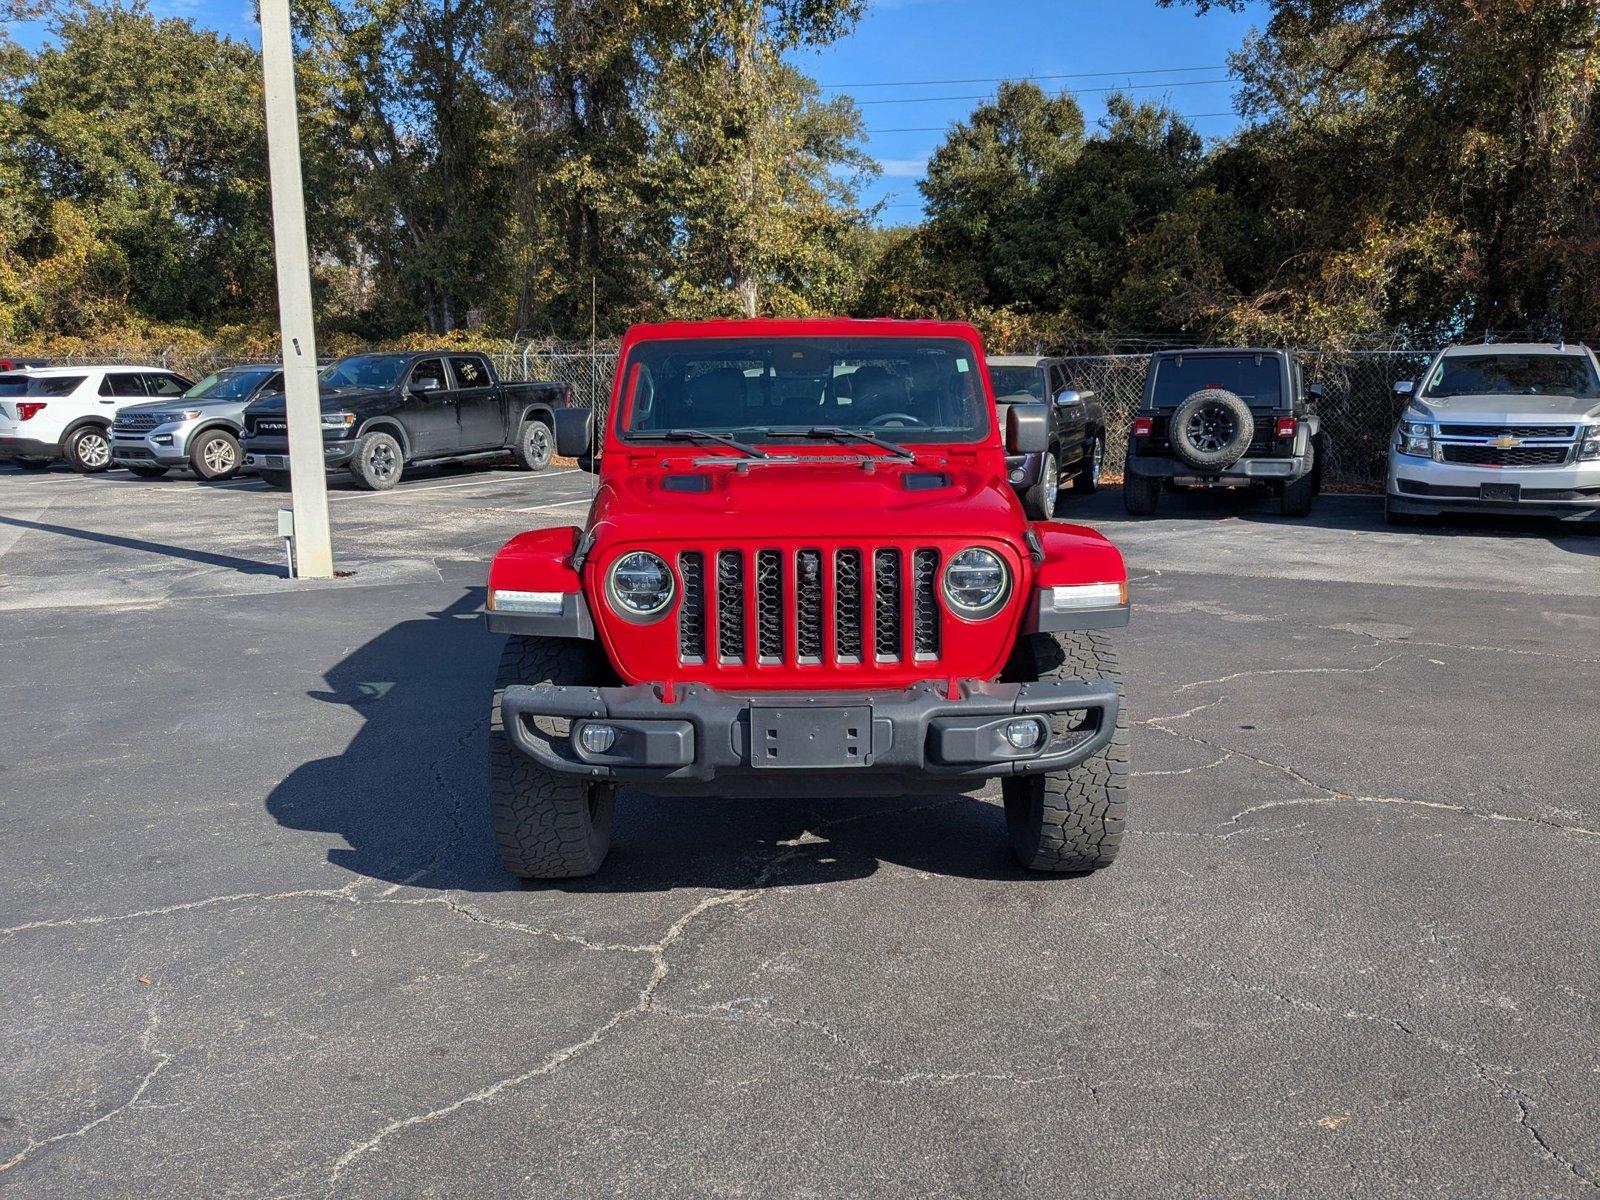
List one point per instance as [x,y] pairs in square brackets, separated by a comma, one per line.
[976,582]
[641,585]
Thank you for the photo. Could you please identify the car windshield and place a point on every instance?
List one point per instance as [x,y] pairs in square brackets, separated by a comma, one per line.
[365,371]
[39,385]
[1513,375]
[228,385]
[1013,385]
[906,389]
[1254,378]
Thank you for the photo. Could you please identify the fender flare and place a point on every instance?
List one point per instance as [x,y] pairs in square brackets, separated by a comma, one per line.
[390,426]
[536,410]
[540,560]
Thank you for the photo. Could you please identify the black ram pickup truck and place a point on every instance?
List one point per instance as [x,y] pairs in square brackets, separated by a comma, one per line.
[384,412]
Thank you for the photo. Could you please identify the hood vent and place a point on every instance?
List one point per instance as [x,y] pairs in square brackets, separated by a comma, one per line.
[924,481]
[686,483]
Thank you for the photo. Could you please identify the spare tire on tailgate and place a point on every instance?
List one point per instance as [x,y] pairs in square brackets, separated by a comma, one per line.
[1211,430]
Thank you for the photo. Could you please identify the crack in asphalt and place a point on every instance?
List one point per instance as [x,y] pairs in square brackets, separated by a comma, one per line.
[1289,671]
[452,815]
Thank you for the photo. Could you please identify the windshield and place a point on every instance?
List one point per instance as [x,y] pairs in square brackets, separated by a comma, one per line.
[365,371]
[33,385]
[228,385]
[1254,378]
[1513,375]
[1013,385]
[908,389]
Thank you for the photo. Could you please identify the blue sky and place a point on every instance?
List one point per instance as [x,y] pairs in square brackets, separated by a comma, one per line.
[1134,42]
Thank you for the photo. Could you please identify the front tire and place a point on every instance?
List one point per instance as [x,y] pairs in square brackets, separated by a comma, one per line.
[547,825]
[378,462]
[216,455]
[1393,516]
[1140,496]
[88,450]
[535,445]
[1069,822]
[1087,481]
[1039,501]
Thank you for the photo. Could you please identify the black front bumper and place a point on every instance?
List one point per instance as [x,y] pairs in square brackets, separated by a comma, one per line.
[272,453]
[707,735]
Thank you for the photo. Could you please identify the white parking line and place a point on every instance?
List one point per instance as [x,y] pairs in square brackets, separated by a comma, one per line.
[559,504]
[518,479]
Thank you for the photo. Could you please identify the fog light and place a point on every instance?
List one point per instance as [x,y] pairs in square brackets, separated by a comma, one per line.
[597,739]
[163,439]
[1025,735]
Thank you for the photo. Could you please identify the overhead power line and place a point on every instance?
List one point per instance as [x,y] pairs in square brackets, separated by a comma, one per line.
[878,83]
[946,128]
[1075,91]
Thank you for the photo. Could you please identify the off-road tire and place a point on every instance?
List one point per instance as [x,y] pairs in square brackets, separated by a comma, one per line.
[148,472]
[1140,496]
[548,826]
[1296,497]
[1211,458]
[1039,501]
[1400,520]
[213,451]
[274,479]
[1069,822]
[535,445]
[88,450]
[33,464]
[1086,480]
[378,461]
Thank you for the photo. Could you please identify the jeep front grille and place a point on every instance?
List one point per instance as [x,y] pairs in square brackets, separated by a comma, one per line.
[809,606]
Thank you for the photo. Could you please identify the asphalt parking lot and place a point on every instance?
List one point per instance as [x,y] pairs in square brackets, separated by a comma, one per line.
[257,942]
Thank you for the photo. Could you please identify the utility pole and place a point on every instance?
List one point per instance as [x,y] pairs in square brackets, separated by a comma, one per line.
[312,538]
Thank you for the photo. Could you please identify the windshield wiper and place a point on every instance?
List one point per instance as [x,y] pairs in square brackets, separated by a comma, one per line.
[697,435]
[841,433]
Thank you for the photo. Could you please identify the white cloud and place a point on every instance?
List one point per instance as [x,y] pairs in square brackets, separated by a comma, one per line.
[904,168]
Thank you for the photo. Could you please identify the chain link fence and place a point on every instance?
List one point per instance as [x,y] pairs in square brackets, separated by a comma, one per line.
[1358,407]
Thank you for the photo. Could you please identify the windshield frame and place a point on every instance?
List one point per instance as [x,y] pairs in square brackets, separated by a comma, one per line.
[1437,373]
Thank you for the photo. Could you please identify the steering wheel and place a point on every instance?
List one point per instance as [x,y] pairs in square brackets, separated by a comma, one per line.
[903,418]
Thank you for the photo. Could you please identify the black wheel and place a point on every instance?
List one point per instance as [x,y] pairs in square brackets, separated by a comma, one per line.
[148,472]
[1140,495]
[277,479]
[32,464]
[535,446]
[1211,429]
[88,450]
[1086,481]
[1296,497]
[216,455]
[548,826]
[1039,501]
[1069,822]
[378,462]
[1393,516]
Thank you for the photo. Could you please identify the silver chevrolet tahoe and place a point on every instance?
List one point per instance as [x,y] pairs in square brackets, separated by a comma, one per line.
[199,430]
[1511,428]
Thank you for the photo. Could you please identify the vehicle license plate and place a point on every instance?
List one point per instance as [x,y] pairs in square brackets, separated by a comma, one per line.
[1500,491]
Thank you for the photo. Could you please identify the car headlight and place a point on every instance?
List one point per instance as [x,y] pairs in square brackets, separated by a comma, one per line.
[188,414]
[976,582]
[339,422]
[640,585]
[1415,438]
[1589,449]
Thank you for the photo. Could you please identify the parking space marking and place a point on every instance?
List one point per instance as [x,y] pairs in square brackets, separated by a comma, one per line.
[486,482]
[558,504]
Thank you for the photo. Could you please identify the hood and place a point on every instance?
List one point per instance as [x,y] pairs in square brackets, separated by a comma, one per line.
[333,399]
[819,496]
[179,403]
[1501,409]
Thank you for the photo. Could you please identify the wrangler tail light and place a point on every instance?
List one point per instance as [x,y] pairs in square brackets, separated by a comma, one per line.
[1287,427]
[1142,426]
[26,409]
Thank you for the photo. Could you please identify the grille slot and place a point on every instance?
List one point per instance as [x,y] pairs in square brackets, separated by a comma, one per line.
[847,605]
[730,606]
[808,605]
[925,603]
[692,612]
[1516,456]
[1517,431]
[769,606]
[886,618]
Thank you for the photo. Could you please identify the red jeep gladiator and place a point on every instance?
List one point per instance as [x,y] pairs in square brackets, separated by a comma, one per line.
[805,573]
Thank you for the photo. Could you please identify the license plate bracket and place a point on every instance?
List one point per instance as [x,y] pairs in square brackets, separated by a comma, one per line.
[810,737]
[1500,491]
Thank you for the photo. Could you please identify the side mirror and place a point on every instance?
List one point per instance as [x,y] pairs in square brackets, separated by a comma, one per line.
[575,434]
[1315,391]
[1027,428]
[1404,388]
[1067,397]
[426,384]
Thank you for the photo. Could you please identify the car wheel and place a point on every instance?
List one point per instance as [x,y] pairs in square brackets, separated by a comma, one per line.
[216,455]
[274,479]
[1140,496]
[148,472]
[1393,516]
[378,462]
[88,450]
[33,464]
[547,825]
[1039,501]
[1087,481]
[535,446]
[1069,822]
[1296,497]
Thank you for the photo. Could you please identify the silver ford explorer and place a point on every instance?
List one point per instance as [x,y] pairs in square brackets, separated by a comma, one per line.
[1511,428]
[199,430]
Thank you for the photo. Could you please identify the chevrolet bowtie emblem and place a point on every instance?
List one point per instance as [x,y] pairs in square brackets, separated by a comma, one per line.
[1505,443]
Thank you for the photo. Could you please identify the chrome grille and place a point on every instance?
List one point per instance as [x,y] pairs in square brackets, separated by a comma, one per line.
[692,616]
[925,603]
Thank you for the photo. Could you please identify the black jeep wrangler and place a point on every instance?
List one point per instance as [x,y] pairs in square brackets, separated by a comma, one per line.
[1220,418]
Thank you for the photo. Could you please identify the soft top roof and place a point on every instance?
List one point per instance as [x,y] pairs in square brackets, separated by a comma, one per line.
[1230,351]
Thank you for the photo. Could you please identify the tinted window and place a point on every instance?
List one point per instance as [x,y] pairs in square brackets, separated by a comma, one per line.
[165,385]
[1513,375]
[908,389]
[49,385]
[470,372]
[429,368]
[1012,384]
[1255,379]
[122,384]
[229,385]
[365,371]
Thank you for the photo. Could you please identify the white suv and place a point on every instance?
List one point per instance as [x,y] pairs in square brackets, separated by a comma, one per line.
[48,413]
